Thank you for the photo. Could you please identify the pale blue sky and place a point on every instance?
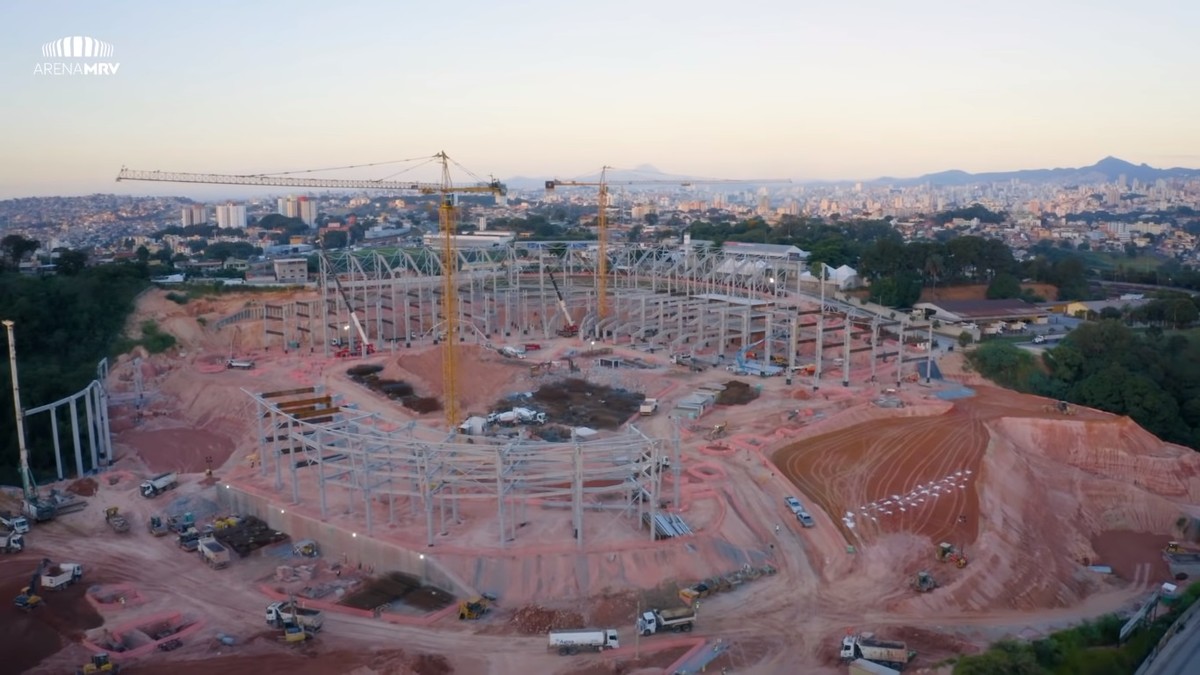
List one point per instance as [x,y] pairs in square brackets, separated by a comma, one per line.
[755,88]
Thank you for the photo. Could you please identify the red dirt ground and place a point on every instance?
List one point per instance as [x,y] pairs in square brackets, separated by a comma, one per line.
[1134,556]
[180,450]
[29,637]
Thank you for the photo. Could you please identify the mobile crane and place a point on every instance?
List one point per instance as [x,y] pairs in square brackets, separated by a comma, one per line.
[570,329]
[602,217]
[446,217]
[364,344]
[35,508]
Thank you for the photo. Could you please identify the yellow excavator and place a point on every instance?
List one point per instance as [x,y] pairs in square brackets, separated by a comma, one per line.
[100,663]
[947,553]
[475,608]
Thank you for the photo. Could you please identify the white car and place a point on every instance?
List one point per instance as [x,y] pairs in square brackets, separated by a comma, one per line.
[794,505]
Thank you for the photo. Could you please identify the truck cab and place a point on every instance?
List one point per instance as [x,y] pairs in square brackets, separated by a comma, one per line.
[15,523]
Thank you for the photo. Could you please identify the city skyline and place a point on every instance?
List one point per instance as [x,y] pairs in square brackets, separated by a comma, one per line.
[807,92]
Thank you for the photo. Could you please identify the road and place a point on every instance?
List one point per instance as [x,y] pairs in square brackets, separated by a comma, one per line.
[1182,653]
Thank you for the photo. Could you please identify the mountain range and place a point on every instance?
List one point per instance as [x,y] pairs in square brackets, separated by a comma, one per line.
[1107,170]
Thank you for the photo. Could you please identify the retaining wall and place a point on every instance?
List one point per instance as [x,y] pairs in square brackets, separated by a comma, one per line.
[338,544]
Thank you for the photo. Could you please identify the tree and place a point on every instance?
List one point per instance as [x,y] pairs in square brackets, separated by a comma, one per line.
[965,338]
[1004,286]
[15,247]
[143,254]
[71,262]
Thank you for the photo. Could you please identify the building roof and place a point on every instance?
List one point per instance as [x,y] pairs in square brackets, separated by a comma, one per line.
[765,250]
[986,309]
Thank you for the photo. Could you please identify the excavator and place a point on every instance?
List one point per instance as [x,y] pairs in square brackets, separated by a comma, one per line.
[475,608]
[570,329]
[948,553]
[100,663]
[29,598]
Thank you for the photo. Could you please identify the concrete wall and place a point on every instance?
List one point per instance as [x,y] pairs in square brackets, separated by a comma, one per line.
[339,545]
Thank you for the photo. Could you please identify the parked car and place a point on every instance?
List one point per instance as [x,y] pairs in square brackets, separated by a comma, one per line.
[805,519]
[794,505]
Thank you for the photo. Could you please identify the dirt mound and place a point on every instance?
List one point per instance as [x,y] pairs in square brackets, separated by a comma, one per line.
[84,487]
[431,664]
[736,392]
[180,449]
[535,620]
[482,373]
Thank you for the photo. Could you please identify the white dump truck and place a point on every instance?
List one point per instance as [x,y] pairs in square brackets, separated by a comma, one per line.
[58,577]
[583,639]
[866,646]
[212,552]
[17,523]
[649,406]
[159,484]
[680,620]
[12,542]
[280,614]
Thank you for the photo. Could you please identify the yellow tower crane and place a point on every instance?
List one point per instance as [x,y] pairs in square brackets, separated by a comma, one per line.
[602,217]
[446,219]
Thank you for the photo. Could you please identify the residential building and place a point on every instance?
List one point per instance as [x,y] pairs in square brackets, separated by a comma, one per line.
[231,216]
[291,270]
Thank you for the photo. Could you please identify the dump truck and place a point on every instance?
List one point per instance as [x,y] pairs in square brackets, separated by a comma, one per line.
[679,619]
[649,406]
[159,484]
[583,639]
[58,577]
[189,539]
[118,522]
[280,614]
[157,526]
[12,542]
[888,653]
[212,552]
[15,523]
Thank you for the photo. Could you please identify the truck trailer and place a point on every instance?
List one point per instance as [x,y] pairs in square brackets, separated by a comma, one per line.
[58,577]
[680,620]
[583,639]
[866,646]
[159,484]
[212,552]
[280,614]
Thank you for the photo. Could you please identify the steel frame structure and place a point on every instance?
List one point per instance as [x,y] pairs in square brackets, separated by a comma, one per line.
[95,400]
[382,468]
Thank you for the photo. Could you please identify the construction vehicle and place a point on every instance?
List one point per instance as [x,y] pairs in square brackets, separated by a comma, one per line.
[118,522]
[1060,407]
[189,539]
[306,548]
[12,542]
[568,642]
[866,646]
[517,416]
[285,613]
[354,349]
[181,524]
[475,608]
[33,505]
[680,620]
[15,523]
[212,552]
[923,582]
[157,526]
[58,577]
[100,663]
[239,364]
[718,431]
[948,553]
[293,633]
[648,407]
[570,329]
[226,522]
[159,484]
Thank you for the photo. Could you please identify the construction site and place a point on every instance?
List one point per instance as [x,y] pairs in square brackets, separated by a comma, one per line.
[486,462]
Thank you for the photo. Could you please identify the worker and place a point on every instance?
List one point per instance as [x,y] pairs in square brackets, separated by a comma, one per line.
[777,529]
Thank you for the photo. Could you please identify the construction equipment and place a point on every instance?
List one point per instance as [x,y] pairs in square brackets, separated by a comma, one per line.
[948,553]
[568,642]
[364,346]
[293,633]
[233,362]
[718,431]
[157,526]
[570,329]
[1060,407]
[100,663]
[15,523]
[473,609]
[189,539]
[679,619]
[29,598]
[282,614]
[306,548]
[446,217]
[888,653]
[602,218]
[159,484]
[58,577]
[648,407]
[924,582]
[12,542]
[181,524]
[212,552]
[33,504]
[118,522]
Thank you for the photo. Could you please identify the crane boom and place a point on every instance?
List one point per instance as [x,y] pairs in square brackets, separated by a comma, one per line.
[289,181]
[569,328]
[362,334]
[602,218]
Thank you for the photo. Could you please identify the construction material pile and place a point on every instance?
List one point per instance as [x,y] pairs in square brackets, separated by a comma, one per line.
[723,583]
[249,534]
[736,392]
[580,403]
[535,620]
[367,374]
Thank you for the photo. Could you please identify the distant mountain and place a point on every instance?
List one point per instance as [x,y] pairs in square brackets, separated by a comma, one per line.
[1107,170]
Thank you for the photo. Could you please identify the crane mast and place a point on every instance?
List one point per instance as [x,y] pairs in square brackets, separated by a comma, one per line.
[569,328]
[446,218]
[602,220]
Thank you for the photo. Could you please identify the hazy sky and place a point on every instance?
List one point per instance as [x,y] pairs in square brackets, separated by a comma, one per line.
[754,88]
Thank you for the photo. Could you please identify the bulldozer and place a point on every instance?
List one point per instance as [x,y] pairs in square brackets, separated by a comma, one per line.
[924,582]
[100,663]
[948,553]
[1060,407]
[473,609]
